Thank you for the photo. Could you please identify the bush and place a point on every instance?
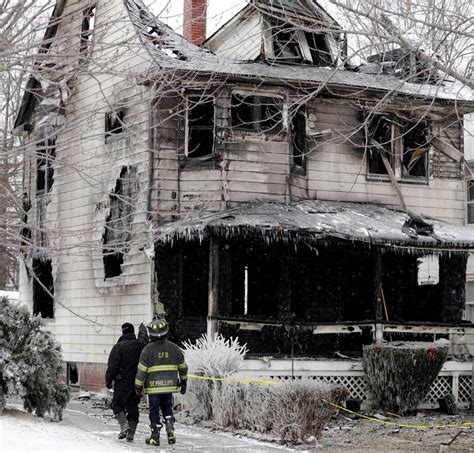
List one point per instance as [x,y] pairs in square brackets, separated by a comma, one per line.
[294,411]
[30,361]
[400,374]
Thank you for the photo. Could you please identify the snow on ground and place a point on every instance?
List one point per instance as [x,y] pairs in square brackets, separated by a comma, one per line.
[83,430]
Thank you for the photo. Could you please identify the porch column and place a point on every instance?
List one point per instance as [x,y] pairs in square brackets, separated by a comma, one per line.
[378,313]
[213,306]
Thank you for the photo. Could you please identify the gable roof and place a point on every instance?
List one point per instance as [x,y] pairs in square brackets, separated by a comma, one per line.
[171,52]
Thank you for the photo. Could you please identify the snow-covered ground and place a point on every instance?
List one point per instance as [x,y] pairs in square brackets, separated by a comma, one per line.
[86,430]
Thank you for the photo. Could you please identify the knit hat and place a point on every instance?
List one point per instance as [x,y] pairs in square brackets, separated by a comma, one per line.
[127,328]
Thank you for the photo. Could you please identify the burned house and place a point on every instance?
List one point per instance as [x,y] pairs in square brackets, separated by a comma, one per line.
[251,184]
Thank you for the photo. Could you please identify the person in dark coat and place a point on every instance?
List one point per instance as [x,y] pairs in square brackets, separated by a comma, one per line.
[120,375]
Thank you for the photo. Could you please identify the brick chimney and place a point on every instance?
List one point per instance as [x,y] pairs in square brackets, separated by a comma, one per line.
[194,25]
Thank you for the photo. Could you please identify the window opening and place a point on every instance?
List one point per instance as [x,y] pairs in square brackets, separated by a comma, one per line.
[45,156]
[114,123]
[298,133]
[380,141]
[200,130]
[72,374]
[286,45]
[43,288]
[428,270]
[470,201]
[319,49]
[87,31]
[469,310]
[257,113]
[118,224]
[415,150]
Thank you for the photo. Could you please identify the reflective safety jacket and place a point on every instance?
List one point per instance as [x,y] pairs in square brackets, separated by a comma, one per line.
[160,365]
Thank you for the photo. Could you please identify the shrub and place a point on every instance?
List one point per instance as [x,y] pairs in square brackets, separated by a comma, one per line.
[217,357]
[30,361]
[400,374]
[293,411]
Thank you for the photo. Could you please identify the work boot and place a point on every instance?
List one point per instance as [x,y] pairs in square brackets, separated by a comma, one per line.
[122,419]
[132,427]
[154,438]
[169,423]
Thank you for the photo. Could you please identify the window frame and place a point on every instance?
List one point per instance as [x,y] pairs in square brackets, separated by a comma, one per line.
[88,25]
[112,118]
[255,125]
[469,200]
[45,158]
[187,127]
[397,150]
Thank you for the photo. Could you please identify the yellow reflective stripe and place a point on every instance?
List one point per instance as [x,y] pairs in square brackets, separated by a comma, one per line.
[182,365]
[152,369]
[142,367]
[152,390]
[183,377]
[138,382]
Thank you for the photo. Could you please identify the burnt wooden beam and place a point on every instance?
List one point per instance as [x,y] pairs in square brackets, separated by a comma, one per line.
[213,306]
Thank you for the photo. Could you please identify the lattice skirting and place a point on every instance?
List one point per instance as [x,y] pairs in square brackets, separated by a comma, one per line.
[458,385]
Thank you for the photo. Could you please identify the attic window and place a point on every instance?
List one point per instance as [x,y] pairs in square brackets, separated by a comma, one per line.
[200,127]
[257,113]
[43,288]
[114,124]
[319,48]
[45,156]
[286,44]
[87,31]
[298,134]
[118,224]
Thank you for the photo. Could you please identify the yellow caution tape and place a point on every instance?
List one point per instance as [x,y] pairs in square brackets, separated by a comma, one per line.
[400,425]
[245,381]
[365,417]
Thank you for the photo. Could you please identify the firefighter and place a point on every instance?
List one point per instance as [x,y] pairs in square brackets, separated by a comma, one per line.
[162,371]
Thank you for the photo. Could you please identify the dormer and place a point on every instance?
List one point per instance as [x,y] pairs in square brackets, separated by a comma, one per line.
[280,32]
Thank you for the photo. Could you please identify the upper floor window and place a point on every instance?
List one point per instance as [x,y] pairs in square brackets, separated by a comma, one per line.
[257,113]
[114,124]
[200,113]
[87,31]
[45,156]
[401,146]
[298,136]
[470,201]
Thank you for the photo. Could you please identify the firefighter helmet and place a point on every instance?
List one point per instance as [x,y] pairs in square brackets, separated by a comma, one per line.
[158,328]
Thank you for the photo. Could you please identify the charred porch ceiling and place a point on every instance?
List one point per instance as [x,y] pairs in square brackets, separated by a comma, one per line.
[278,275]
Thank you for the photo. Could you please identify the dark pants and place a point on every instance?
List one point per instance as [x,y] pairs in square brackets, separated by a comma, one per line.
[125,399]
[163,400]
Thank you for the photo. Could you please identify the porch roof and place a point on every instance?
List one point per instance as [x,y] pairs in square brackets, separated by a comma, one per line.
[316,221]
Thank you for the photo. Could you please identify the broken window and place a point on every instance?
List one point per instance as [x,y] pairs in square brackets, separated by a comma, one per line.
[87,31]
[114,124]
[319,48]
[200,127]
[118,223]
[415,149]
[286,45]
[43,288]
[45,156]
[397,144]
[470,201]
[380,145]
[298,135]
[257,113]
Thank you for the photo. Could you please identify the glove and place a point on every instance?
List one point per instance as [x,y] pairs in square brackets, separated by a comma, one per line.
[109,385]
[138,391]
[183,386]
